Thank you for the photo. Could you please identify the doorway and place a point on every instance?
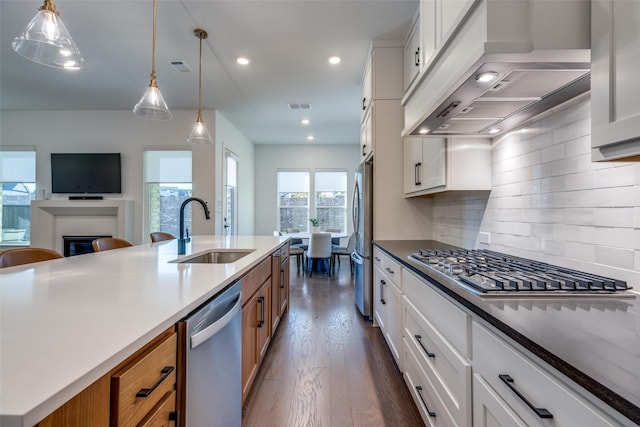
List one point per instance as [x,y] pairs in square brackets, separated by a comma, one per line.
[230,205]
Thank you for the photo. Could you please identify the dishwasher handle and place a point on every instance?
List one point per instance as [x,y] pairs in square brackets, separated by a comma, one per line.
[217,326]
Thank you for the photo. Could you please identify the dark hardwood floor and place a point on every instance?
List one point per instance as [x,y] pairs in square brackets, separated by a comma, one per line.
[327,366]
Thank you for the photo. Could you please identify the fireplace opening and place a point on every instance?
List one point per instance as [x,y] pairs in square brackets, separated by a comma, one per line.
[78,245]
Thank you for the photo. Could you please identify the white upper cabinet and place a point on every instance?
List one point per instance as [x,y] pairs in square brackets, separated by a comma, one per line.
[615,54]
[433,165]
[412,54]
[382,78]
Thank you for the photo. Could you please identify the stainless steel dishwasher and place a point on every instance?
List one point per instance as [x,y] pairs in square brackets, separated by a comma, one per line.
[214,362]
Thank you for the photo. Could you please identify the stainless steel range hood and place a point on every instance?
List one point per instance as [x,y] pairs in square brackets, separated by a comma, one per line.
[518,92]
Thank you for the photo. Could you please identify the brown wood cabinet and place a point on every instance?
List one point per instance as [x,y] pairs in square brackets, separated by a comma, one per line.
[256,333]
[112,400]
[280,285]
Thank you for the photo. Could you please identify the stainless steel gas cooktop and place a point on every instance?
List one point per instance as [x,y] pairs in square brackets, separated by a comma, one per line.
[489,273]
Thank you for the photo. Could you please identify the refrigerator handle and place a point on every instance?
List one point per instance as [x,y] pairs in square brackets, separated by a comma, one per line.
[355,200]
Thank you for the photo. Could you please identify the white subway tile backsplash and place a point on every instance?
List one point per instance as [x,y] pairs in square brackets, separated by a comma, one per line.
[578,216]
[578,146]
[615,257]
[613,217]
[581,251]
[616,176]
[565,166]
[580,181]
[572,131]
[550,202]
[552,153]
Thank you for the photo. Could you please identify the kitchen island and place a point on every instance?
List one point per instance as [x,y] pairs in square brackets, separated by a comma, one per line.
[66,323]
[591,343]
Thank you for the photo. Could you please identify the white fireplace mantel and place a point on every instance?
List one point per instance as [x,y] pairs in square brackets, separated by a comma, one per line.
[52,219]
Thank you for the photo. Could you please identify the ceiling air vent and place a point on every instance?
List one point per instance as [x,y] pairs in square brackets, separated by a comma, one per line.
[299,105]
[180,65]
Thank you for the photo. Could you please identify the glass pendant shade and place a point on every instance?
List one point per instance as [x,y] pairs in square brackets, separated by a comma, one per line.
[47,41]
[199,134]
[152,105]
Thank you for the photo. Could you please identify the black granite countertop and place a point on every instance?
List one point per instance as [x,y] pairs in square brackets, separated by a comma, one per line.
[593,341]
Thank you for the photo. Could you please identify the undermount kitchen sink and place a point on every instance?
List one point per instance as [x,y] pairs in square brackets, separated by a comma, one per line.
[217,256]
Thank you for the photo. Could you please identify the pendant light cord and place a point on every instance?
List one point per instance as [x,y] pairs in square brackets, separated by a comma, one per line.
[153,46]
[200,81]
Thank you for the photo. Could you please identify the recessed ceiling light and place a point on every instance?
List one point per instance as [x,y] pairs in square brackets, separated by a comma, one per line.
[305,121]
[242,60]
[334,60]
[423,131]
[493,131]
[310,138]
[487,77]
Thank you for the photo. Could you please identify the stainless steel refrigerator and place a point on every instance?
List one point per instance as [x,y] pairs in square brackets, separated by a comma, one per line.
[363,227]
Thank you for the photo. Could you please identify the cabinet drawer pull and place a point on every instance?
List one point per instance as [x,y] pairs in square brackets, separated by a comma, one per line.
[377,259]
[261,321]
[382,283]
[390,270]
[364,149]
[282,278]
[175,417]
[364,104]
[419,339]
[145,392]
[419,390]
[417,57]
[541,412]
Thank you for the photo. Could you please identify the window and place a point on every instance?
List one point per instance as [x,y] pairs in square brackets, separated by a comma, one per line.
[293,200]
[167,176]
[18,188]
[331,199]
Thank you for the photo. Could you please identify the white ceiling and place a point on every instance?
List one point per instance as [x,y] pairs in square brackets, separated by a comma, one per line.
[288,42]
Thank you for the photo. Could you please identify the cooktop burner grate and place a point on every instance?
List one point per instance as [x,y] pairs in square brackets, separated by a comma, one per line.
[490,272]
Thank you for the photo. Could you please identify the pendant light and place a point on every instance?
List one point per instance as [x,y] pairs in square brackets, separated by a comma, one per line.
[199,133]
[47,41]
[152,105]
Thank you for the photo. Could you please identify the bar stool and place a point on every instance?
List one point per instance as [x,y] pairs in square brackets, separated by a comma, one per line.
[20,256]
[159,236]
[108,243]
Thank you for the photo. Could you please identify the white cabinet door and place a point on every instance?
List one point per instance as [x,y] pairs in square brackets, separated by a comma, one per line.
[394,328]
[367,89]
[615,110]
[412,54]
[489,410]
[428,31]
[379,300]
[424,164]
[366,135]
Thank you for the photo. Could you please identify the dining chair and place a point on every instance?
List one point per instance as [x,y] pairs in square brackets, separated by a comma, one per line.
[299,254]
[336,240]
[295,241]
[159,236]
[108,243]
[337,251]
[19,256]
[319,249]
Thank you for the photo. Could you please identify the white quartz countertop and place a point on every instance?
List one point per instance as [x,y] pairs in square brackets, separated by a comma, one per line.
[67,322]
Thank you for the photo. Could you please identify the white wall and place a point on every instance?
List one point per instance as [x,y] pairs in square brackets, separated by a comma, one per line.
[270,158]
[550,202]
[229,137]
[122,131]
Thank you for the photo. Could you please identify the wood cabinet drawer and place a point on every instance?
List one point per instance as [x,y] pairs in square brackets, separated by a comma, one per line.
[493,358]
[161,415]
[143,381]
[432,409]
[447,370]
[284,251]
[252,281]
[448,320]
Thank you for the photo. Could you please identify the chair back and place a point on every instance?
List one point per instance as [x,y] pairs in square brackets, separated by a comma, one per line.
[351,244]
[20,256]
[319,245]
[332,230]
[108,243]
[293,230]
[160,236]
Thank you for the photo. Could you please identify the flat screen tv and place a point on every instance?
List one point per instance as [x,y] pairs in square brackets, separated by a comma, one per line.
[85,173]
